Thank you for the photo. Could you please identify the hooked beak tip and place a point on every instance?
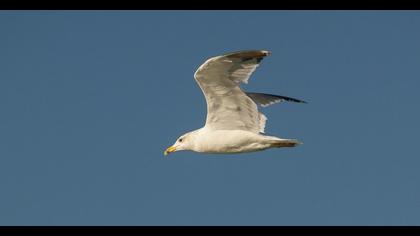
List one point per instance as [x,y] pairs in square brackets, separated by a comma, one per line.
[169,150]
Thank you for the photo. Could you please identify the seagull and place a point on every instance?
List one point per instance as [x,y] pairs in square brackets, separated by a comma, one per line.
[233,122]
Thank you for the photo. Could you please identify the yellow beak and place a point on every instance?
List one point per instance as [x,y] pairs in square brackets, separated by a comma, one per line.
[169,150]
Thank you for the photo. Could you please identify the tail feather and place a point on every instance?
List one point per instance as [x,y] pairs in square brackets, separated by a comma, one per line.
[285,143]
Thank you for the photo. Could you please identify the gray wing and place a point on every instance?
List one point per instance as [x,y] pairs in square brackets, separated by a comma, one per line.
[228,107]
[265,100]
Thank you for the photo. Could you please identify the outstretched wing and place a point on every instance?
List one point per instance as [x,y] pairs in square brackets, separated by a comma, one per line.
[265,100]
[228,107]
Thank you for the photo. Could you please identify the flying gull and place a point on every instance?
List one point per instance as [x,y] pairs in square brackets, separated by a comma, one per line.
[233,123]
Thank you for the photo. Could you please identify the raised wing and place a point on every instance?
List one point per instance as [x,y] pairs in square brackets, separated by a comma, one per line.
[265,100]
[228,107]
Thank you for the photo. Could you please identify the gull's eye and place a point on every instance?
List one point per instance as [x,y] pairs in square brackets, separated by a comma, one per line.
[180,140]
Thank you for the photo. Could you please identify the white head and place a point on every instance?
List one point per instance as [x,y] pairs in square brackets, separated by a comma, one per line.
[184,142]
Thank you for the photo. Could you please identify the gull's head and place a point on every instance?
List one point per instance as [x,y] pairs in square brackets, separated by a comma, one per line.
[184,142]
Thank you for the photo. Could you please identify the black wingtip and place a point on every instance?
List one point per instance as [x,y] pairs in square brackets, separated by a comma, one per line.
[289,99]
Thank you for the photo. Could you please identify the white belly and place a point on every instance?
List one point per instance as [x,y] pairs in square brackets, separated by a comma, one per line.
[230,141]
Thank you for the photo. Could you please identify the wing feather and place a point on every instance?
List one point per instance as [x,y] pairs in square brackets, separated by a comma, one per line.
[264,99]
[228,107]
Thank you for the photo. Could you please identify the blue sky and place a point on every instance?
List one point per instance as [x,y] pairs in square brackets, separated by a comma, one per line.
[90,99]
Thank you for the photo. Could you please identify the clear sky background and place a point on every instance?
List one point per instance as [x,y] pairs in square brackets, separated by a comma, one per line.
[90,99]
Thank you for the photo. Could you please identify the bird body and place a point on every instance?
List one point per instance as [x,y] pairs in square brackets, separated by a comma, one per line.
[233,122]
[206,140]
